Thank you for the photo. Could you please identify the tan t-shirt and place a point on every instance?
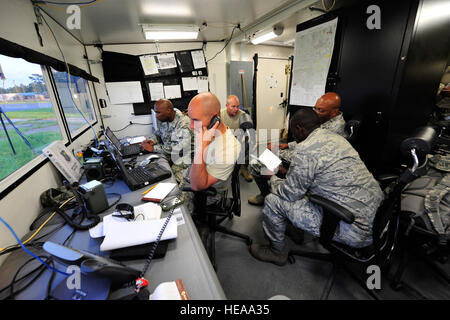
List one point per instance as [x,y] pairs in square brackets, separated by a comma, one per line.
[221,156]
[230,122]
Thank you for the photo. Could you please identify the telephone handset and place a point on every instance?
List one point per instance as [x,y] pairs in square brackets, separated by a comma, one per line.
[214,120]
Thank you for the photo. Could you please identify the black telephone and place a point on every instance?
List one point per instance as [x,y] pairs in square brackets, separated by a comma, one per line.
[213,121]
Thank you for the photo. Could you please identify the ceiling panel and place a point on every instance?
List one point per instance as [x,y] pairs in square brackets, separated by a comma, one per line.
[118,21]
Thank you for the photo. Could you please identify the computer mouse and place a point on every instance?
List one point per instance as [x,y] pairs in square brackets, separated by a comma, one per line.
[148,160]
[153,156]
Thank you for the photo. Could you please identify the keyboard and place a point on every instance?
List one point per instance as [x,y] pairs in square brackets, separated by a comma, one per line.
[141,176]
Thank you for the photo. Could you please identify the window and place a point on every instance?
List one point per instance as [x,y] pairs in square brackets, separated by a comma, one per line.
[81,97]
[29,122]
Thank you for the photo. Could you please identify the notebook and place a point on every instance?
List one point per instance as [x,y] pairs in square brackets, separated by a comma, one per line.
[172,290]
[159,192]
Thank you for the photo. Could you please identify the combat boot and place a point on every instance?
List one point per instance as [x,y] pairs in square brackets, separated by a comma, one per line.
[257,200]
[247,176]
[268,253]
[297,235]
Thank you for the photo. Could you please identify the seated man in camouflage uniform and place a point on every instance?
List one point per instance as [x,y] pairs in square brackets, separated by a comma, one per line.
[325,164]
[327,108]
[173,139]
[232,116]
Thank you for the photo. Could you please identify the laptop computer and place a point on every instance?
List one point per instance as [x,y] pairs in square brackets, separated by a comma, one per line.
[140,176]
[125,151]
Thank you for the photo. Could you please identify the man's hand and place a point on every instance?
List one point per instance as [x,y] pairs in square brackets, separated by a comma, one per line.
[282,171]
[281,146]
[200,178]
[203,136]
[147,145]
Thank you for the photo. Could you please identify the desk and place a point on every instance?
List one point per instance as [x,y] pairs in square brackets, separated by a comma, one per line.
[185,259]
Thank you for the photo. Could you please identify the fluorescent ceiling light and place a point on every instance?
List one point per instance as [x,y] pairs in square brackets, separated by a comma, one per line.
[167,10]
[170,32]
[267,35]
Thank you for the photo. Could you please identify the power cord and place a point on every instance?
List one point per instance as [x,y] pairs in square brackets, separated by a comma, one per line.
[228,41]
[155,244]
[131,124]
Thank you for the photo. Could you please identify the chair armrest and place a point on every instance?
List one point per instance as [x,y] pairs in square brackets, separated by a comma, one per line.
[209,191]
[333,208]
[384,178]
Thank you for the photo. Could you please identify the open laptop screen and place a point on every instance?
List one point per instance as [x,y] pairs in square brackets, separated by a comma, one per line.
[112,137]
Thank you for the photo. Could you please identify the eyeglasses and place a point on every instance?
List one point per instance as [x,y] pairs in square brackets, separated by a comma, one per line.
[319,110]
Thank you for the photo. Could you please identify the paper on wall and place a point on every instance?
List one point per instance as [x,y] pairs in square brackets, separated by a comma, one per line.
[125,92]
[149,64]
[167,61]
[172,92]
[202,83]
[198,58]
[156,91]
[189,83]
[312,58]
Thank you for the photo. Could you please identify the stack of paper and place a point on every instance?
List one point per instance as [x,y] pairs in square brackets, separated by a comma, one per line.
[127,234]
[173,290]
[146,211]
[136,139]
[270,160]
[158,193]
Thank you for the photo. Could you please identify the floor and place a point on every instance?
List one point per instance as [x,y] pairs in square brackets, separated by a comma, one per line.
[243,277]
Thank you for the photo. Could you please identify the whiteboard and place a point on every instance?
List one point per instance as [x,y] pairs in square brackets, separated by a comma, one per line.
[312,58]
[125,92]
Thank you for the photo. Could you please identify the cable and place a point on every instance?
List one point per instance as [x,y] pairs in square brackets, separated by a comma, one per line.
[28,251]
[39,229]
[328,9]
[41,268]
[84,4]
[226,44]
[68,81]
[130,124]
[155,244]
[115,202]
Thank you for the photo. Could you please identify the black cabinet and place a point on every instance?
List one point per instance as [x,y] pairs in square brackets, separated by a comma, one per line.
[390,75]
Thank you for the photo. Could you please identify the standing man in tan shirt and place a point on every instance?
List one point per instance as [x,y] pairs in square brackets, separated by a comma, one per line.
[231,117]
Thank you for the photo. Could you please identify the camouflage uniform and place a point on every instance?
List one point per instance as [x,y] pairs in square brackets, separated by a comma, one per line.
[170,139]
[336,125]
[324,164]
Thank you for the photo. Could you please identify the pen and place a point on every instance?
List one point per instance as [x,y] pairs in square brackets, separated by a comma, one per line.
[149,189]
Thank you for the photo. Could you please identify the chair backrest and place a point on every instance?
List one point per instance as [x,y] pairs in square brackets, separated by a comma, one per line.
[236,191]
[386,222]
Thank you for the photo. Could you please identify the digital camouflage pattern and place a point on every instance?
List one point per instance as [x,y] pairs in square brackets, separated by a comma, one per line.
[171,139]
[324,164]
[336,125]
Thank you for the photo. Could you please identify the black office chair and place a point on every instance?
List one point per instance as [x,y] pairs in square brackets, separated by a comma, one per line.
[385,225]
[352,127]
[421,238]
[218,212]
